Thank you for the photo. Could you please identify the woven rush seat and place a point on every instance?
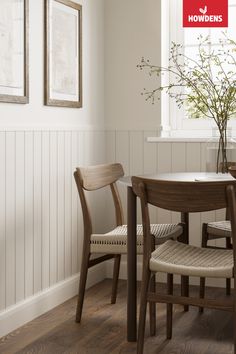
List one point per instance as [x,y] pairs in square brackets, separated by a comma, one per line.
[178,258]
[115,241]
[219,229]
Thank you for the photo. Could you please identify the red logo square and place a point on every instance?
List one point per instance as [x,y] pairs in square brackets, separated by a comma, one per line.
[205,13]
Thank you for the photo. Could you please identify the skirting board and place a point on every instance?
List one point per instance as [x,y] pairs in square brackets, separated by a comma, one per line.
[161,277]
[35,306]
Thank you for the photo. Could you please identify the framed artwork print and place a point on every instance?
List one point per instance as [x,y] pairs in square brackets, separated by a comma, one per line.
[14,54]
[63,53]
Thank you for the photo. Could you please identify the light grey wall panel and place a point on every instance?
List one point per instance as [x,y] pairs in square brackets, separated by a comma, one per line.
[10,219]
[41,226]
[3,221]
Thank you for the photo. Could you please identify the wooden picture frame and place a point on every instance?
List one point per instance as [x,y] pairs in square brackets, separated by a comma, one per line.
[14,54]
[63,53]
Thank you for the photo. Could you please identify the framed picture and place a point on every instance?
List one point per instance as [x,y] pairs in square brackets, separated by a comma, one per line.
[14,53]
[63,53]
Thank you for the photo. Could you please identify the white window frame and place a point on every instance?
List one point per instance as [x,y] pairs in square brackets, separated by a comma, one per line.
[173,122]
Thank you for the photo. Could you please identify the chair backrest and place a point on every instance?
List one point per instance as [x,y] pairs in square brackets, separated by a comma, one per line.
[184,197]
[96,177]
[179,196]
[99,176]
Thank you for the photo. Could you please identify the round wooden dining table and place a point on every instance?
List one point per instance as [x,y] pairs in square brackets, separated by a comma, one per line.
[131,238]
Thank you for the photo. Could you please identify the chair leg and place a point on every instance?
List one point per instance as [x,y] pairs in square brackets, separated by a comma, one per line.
[152,307]
[82,284]
[169,307]
[228,281]
[185,289]
[234,333]
[203,280]
[228,243]
[116,272]
[234,318]
[228,286]
[202,292]
[143,310]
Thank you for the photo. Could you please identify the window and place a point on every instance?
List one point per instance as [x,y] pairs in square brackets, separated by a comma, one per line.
[175,122]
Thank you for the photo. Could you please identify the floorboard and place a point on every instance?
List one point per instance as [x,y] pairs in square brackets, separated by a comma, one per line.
[103,329]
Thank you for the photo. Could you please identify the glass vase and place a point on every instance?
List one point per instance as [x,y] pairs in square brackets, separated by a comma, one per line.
[219,157]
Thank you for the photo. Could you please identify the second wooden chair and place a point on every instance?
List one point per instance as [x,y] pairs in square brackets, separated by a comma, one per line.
[215,231]
[174,257]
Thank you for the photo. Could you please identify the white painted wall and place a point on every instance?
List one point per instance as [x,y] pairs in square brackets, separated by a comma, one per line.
[41,228]
[35,114]
[132,30]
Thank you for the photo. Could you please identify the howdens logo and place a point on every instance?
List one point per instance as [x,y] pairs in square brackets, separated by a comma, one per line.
[206,18]
[205,13]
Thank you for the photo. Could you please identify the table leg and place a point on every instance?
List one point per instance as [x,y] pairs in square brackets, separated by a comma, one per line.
[184,279]
[132,267]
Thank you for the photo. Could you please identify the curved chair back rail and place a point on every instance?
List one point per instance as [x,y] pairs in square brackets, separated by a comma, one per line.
[99,176]
[183,196]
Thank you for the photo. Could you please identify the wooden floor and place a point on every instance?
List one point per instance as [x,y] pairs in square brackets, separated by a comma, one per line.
[103,329]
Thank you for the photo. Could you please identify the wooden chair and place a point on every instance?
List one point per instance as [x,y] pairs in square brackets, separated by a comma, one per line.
[215,231]
[114,243]
[174,257]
